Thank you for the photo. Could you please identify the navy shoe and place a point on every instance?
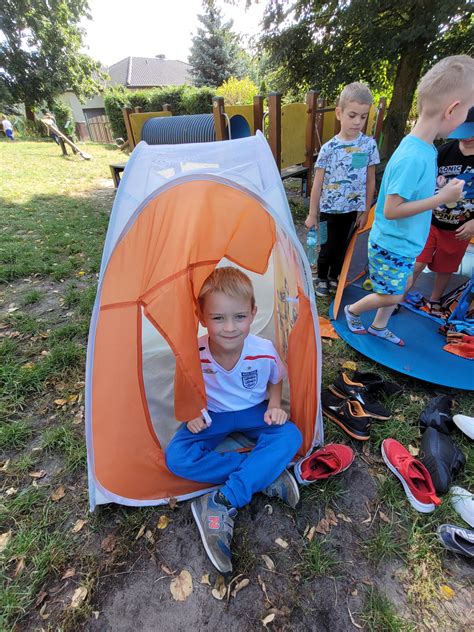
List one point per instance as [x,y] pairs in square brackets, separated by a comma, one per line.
[375,384]
[285,488]
[345,387]
[456,539]
[348,414]
[437,414]
[215,522]
[441,457]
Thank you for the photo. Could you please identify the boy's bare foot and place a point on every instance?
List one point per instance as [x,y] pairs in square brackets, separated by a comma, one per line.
[386,334]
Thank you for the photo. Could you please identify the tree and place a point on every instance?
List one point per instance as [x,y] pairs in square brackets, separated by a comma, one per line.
[40,54]
[326,44]
[215,53]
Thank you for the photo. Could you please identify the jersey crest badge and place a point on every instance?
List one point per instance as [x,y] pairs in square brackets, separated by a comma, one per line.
[249,379]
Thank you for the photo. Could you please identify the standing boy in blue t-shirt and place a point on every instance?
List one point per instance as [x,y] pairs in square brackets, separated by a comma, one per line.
[403,211]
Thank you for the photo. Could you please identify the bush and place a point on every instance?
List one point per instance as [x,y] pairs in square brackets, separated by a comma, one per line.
[115,99]
[198,100]
[24,128]
[238,91]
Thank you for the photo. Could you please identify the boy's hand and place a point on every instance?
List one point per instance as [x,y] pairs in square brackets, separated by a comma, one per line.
[310,221]
[275,417]
[451,192]
[196,425]
[466,231]
[361,220]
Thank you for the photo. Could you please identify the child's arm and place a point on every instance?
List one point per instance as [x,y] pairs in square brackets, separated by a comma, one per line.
[274,415]
[315,197]
[466,231]
[362,218]
[396,207]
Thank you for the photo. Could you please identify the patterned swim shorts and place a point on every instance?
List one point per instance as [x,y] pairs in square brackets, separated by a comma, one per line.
[388,272]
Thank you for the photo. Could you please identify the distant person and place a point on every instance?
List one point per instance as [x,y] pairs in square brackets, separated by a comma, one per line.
[344,183]
[7,128]
[50,119]
[403,212]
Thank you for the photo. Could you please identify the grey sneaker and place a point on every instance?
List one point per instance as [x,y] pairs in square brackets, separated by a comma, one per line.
[332,284]
[284,487]
[322,287]
[216,526]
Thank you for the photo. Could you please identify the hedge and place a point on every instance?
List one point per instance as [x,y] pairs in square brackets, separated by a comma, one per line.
[182,99]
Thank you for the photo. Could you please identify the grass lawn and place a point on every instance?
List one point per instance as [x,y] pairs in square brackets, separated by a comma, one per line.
[61,567]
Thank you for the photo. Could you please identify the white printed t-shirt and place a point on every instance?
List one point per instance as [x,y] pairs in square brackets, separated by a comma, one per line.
[246,384]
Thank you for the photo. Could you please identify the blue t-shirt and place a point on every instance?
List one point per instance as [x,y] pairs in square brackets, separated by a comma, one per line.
[411,174]
[345,165]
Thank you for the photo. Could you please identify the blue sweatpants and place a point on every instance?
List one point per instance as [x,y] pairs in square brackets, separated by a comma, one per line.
[193,456]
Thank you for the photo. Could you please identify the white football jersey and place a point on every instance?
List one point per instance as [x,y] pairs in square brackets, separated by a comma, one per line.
[246,384]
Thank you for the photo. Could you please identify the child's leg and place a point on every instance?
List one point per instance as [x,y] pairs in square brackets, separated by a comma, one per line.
[343,223]
[441,282]
[324,257]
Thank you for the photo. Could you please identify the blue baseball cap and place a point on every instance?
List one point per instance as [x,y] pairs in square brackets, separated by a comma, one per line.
[466,130]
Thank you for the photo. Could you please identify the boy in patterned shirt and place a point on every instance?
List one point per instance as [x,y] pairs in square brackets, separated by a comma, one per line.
[344,183]
[243,377]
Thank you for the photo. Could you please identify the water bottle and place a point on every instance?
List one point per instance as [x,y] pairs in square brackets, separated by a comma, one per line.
[311,242]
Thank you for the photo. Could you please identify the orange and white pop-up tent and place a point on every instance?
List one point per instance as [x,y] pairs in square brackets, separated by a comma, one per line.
[180,211]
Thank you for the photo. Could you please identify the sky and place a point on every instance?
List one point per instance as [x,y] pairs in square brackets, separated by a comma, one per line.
[146,28]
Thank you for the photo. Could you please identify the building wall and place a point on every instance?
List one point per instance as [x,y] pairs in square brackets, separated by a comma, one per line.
[77,107]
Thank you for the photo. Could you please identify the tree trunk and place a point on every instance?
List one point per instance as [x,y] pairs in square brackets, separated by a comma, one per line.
[406,80]
[30,115]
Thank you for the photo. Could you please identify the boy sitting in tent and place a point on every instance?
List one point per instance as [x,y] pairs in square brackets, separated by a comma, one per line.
[243,379]
[403,210]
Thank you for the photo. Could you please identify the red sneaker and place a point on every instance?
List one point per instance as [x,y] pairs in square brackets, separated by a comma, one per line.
[413,475]
[328,461]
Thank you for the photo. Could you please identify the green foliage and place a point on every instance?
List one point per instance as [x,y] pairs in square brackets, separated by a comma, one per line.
[215,52]
[40,51]
[115,99]
[237,91]
[64,116]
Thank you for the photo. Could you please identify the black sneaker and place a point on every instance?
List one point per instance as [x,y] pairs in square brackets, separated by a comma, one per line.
[348,414]
[441,457]
[344,387]
[376,384]
[437,414]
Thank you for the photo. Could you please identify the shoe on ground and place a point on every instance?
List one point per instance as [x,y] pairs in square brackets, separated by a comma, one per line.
[463,503]
[456,539]
[412,474]
[437,414]
[376,384]
[348,414]
[285,488]
[325,462]
[321,287]
[465,425]
[344,387]
[441,457]
[216,527]
[332,283]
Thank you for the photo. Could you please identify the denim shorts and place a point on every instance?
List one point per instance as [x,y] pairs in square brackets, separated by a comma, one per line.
[388,271]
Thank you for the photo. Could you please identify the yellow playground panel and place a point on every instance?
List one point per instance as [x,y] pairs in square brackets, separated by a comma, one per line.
[138,120]
[329,123]
[244,111]
[293,131]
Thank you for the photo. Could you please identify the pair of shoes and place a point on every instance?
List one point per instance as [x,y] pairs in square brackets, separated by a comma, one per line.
[441,457]
[321,287]
[374,384]
[412,474]
[345,387]
[456,539]
[348,414]
[463,503]
[465,425]
[325,462]
[215,520]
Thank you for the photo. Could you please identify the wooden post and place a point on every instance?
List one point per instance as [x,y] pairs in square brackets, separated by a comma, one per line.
[258,113]
[379,120]
[319,124]
[337,124]
[274,120]
[312,103]
[219,118]
[137,109]
[126,119]
[166,107]
[62,144]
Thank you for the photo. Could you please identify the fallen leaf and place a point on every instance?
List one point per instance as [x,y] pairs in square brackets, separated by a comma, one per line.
[96,614]
[60,402]
[384,517]
[182,586]
[140,532]
[344,517]
[72,399]
[269,563]
[11,491]
[40,598]
[20,565]
[79,416]
[282,543]
[166,569]
[149,536]
[5,465]
[447,592]
[331,517]
[42,613]
[413,451]
[242,584]
[81,273]
[69,573]
[350,365]
[323,527]
[59,493]
[29,365]
[268,619]
[172,503]
[10,310]
[5,539]
[78,525]
[163,522]
[219,590]
[109,543]
[205,579]
[78,597]
[38,474]
[311,533]
[354,592]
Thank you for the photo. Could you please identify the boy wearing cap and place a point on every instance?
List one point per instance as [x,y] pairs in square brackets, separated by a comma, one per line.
[452,225]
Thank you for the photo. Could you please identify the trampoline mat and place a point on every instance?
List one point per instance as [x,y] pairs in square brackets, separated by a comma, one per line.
[422,357]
